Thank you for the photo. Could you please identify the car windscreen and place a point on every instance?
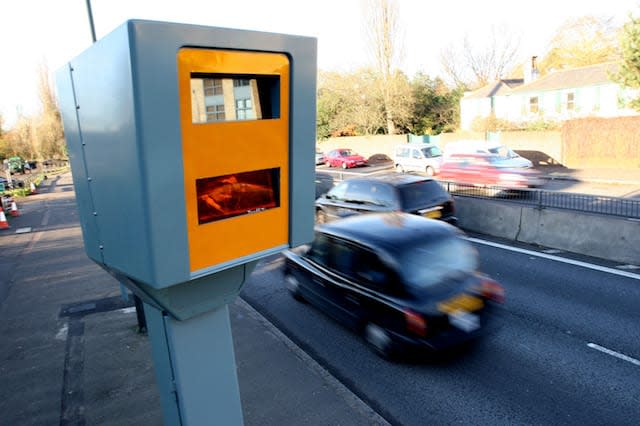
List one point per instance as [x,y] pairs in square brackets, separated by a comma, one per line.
[432,151]
[503,151]
[420,194]
[429,263]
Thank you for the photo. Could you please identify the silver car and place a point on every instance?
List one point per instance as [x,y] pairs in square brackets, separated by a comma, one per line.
[424,158]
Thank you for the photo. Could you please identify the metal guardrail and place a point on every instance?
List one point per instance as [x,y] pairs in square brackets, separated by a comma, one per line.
[541,199]
[538,198]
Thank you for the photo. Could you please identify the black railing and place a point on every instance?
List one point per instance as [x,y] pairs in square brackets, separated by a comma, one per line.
[597,204]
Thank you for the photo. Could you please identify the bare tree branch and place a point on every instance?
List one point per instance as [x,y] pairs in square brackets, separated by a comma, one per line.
[383,34]
[481,59]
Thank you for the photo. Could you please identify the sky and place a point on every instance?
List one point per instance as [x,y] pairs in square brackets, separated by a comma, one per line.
[52,32]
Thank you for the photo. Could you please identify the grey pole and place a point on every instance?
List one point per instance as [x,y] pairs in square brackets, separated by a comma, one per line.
[93,30]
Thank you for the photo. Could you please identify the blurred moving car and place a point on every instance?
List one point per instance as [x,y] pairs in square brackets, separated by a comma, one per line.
[505,155]
[487,170]
[319,157]
[405,282]
[324,183]
[425,158]
[344,158]
[419,195]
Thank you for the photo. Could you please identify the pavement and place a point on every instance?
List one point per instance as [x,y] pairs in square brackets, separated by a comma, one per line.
[71,353]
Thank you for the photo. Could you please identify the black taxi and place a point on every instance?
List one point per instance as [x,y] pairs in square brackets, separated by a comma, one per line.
[404,281]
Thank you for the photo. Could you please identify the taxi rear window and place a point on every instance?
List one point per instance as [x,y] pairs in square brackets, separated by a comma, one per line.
[418,194]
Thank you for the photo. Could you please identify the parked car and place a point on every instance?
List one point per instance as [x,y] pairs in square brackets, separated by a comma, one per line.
[487,170]
[344,158]
[425,158]
[419,195]
[319,157]
[505,155]
[405,282]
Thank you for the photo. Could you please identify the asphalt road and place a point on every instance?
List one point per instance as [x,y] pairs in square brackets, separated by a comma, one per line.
[566,350]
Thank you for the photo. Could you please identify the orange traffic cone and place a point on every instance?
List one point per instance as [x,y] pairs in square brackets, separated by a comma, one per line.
[14,209]
[3,220]
[32,188]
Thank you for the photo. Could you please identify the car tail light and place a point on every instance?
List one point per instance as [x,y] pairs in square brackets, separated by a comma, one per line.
[491,290]
[416,323]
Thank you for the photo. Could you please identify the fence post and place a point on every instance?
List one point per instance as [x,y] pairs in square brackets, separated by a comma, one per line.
[539,196]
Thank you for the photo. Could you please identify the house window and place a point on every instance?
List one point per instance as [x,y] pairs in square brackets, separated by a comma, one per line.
[240,82]
[212,86]
[570,101]
[533,104]
[244,109]
[215,113]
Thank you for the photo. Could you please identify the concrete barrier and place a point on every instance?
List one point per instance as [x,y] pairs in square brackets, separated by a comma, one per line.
[605,237]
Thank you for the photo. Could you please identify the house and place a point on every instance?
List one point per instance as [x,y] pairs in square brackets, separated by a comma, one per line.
[557,96]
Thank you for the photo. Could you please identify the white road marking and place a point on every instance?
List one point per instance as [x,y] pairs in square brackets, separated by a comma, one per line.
[128,310]
[45,219]
[631,267]
[23,230]
[614,353]
[558,259]
[34,240]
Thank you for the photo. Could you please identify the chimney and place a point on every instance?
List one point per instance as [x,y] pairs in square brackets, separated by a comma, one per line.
[534,68]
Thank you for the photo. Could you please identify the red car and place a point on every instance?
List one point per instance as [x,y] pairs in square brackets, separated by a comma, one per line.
[344,158]
[485,170]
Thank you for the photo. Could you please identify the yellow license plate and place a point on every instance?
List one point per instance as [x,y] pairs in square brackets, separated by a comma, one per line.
[433,214]
[462,302]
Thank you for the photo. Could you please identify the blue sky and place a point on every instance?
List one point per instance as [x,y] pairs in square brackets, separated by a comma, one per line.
[53,32]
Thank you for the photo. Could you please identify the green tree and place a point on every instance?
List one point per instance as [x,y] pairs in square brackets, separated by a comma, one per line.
[629,74]
[435,107]
[349,104]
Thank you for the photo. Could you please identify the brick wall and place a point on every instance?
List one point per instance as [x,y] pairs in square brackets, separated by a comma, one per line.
[602,142]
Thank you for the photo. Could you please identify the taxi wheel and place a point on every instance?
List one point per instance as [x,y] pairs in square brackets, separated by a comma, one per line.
[293,285]
[344,165]
[399,168]
[379,340]
[321,217]
[430,171]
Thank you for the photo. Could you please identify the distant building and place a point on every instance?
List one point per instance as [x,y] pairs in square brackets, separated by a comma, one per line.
[224,99]
[560,95]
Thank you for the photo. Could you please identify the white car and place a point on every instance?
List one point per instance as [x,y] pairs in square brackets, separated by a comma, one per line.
[418,157]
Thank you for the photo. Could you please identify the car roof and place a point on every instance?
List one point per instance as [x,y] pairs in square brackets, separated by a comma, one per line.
[388,232]
[474,155]
[417,145]
[393,178]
